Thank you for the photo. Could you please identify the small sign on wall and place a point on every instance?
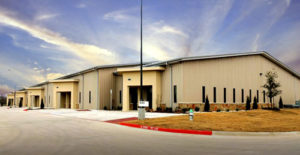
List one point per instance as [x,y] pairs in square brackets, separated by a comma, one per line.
[144,104]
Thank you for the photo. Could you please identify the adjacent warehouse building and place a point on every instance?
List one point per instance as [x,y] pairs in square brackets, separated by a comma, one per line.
[178,83]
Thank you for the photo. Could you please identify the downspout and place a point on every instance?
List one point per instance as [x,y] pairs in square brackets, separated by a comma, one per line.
[82,94]
[171,86]
[47,98]
[97,91]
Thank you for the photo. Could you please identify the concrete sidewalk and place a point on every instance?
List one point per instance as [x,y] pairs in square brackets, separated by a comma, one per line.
[102,115]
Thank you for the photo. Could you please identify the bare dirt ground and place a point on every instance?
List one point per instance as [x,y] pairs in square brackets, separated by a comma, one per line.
[247,121]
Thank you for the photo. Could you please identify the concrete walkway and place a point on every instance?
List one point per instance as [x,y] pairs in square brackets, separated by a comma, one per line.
[102,115]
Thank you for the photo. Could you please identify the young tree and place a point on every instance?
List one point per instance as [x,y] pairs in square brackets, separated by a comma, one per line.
[248,103]
[280,103]
[2,100]
[255,105]
[42,104]
[206,105]
[272,86]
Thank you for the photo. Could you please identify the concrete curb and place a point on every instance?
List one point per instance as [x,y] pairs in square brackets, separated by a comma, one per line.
[197,132]
[228,133]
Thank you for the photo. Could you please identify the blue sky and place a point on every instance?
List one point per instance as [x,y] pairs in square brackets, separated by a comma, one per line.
[45,39]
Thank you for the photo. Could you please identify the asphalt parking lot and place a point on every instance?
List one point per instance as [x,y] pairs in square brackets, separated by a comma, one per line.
[35,132]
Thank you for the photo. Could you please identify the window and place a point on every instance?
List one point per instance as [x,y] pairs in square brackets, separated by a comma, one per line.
[264,93]
[175,94]
[203,94]
[120,96]
[242,95]
[224,95]
[79,97]
[250,95]
[90,97]
[215,94]
[257,94]
[233,95]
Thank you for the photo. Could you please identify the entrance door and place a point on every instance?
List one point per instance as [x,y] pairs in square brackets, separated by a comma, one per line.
[21,102]
[65,100]
[133,97]
[149,96]
[36,101]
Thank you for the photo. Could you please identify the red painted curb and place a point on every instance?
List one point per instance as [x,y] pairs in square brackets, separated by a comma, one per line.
[25,110]
[197,132]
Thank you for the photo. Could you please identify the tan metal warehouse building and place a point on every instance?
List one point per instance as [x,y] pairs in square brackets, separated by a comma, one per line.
[178,83]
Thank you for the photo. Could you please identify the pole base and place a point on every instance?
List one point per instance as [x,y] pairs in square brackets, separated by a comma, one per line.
[141,115]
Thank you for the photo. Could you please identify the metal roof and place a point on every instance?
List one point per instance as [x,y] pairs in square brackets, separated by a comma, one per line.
[92,69]
[182,59]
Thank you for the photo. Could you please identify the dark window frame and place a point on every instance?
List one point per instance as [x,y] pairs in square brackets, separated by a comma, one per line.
[233,96]
[264,92]
[250,95]
[175,94]
[90,96]
[120,96]
[203,94]
[257,96]
[225,95]
[79,97]
[215,94]
[243,96]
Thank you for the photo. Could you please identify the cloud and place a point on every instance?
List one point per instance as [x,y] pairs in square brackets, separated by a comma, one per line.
[52,76]
[161,41]
[45,16]
[255,43]
[162,28]
[120,15]
[88,52]
[18,74]
[288,2]
[81,5]
[208,24]
[4,89]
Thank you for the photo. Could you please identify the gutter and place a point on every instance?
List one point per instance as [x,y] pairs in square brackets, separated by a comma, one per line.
[97,90]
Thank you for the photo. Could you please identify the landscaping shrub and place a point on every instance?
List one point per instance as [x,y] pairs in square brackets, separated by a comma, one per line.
[105,108]
[206,105]
[218,110]
[237,109]
[197,109]
[248,103]
[280,103]
[42,104]
[255,106]
[227,110]
[184,110]
[168,109]
[158,109]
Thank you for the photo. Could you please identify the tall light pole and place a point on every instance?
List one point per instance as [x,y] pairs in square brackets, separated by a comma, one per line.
[141,69]
[141,111]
